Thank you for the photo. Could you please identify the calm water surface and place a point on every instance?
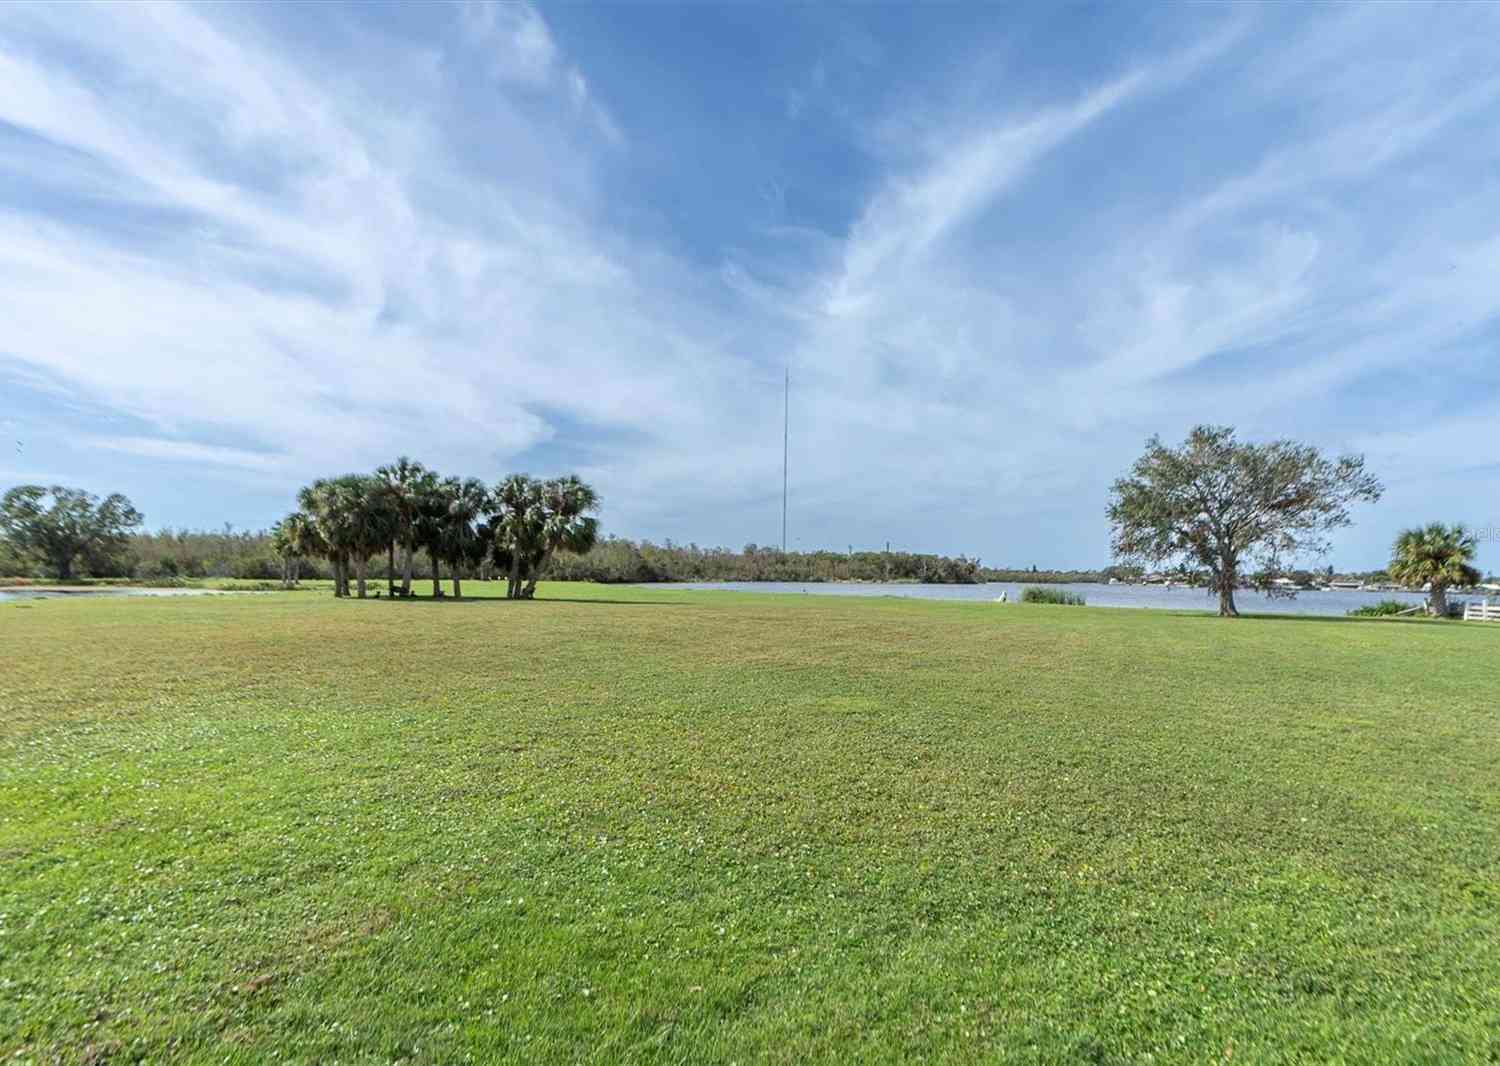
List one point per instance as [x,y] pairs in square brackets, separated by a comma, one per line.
[8,595]
[1176,599]
[1150,596]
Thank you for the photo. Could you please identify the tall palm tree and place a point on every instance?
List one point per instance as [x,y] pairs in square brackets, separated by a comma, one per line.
[369,522]
[294,538]
[518,528]
[323,502]
[281,544]
[1437,556]
[354,521]
[306,540]
[567,525]
[430,528]
[468,503]
[405,483]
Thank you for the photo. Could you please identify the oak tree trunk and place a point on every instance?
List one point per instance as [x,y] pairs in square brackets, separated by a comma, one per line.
[1225,579]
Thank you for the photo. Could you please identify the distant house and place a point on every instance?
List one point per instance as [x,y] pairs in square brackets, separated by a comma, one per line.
[1348,586]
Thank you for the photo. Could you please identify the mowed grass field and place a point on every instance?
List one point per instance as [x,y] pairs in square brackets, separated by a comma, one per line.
[621,825]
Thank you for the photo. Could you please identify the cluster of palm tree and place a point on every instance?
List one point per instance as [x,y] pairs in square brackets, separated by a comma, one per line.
[458,522]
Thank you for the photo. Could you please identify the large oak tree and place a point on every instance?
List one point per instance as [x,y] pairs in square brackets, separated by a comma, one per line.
[1220,504]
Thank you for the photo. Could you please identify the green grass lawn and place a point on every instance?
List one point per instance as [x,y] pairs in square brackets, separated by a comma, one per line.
[654,825]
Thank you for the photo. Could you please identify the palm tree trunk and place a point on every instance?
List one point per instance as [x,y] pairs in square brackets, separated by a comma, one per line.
[286,572]
[1437,601]
[437,585]
[296,570]
[361,566]
[513,584]
[458,589]
[390,569]
[338,577]
[529,592]
[406,569]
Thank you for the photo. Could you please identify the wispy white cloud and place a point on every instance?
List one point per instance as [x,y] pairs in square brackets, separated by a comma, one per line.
[520,46]
[183,451]
[522,51]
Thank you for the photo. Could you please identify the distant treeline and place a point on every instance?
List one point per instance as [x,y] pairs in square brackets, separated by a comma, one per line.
[618,561]
[196,553]
[615,561]
[231,553]
[185,553]
[624,561]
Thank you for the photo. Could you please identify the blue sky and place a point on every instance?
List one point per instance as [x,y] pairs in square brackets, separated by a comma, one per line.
[241,246]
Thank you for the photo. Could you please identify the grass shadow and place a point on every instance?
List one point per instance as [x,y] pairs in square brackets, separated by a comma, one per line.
[469,600]
[1271,616]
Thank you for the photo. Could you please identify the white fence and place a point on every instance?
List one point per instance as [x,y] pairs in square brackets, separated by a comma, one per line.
[1482,612]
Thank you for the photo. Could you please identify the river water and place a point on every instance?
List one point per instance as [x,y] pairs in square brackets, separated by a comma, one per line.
[1149,596]
[8,595]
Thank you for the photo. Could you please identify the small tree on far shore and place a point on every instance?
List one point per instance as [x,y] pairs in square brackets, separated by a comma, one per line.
[1221,504]
[294,538]
[60,524]
[281,544]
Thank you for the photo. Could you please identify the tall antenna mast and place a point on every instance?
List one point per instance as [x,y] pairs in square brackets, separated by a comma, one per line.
[786,436]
